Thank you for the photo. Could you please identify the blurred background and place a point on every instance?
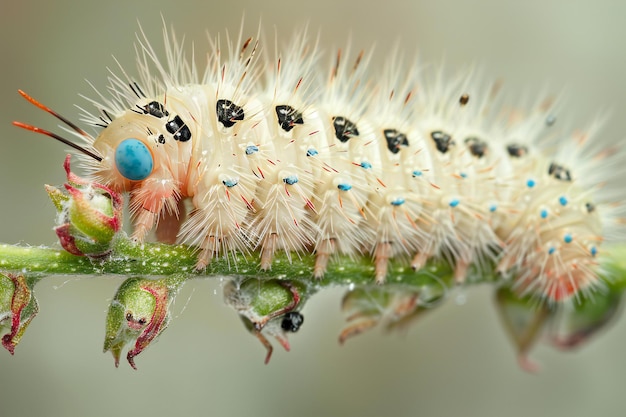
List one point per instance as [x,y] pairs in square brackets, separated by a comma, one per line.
[456,361]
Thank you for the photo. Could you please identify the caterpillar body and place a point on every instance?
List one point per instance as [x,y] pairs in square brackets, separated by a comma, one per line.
[276,153]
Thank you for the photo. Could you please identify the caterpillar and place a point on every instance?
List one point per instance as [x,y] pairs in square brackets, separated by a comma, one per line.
[281,152]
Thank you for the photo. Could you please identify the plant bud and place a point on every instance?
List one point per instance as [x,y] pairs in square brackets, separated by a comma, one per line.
[89,215]
[139,312]
[18,308]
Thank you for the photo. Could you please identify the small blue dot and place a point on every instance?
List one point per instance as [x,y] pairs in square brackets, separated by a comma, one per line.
[344,187]
[493,208]
[252,149]
[291,180]
[397,202]
[530,183]
[551,250]
[230,183]
[417,173]
[568,238]
[311,152]
[594,251]
[563,200]
[463,175]
[366,165]
[454,202]
[543,213]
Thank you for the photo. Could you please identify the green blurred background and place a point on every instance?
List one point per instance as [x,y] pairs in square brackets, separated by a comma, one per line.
[457,361]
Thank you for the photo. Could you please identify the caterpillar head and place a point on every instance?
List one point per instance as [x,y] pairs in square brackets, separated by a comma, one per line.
[140,144]
[144,142]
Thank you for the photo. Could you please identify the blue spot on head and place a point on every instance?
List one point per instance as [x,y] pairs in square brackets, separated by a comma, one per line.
[230,183]
[551,250]
[291,180]
[366,165]
[594,251]
[530,183]
[454,202]
[463,175]
[563,200]
[493,208]
[252,149]
[568,238]
[311,152]
[397,202]
[417,173]
[133,159]
[543,213]
[344,187]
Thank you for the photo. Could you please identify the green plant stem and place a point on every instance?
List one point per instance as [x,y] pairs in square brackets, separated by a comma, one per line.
[155,259]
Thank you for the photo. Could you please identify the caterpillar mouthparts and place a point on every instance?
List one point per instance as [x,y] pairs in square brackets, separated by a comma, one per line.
[285,153]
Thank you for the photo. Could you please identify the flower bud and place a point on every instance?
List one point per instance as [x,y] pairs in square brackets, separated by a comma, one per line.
[18,308]
[268,307]
[90,215]
[139,312]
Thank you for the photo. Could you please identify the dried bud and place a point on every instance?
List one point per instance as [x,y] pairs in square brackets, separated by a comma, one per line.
[524,320]
[18,308]
[268,307]
[390,306]
[579,324]
[565,326]
[90,215]
[139,312]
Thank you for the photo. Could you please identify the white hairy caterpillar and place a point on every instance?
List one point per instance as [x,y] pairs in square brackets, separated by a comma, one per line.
[281,153]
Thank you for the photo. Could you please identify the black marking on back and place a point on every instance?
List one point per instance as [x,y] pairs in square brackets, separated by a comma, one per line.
[590,207]
[156,109]
[179,129]
[395,139]
[477,147]
[344,129]
[288,117]
[516,151]
[228,113]
[559,172]
[443,141]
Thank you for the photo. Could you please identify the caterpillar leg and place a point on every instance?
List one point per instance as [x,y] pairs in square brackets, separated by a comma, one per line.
[169,224]
[267,251]
[155,198]
[382,254]
[460,271]
[144,222]
[208,249]
[419,260]
[325,249]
